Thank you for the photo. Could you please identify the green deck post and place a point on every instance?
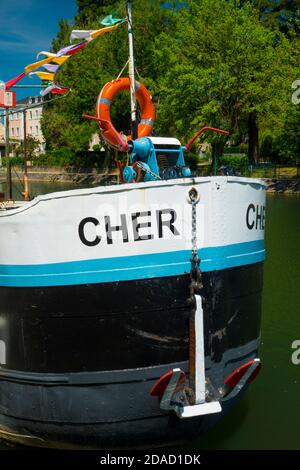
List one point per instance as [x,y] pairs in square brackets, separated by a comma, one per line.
[214,158]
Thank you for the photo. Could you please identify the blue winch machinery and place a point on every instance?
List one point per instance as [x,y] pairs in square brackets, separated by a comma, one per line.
[158,158]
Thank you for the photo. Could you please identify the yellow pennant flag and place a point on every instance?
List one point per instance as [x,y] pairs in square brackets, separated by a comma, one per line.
[99,32]
[88,35]
[49,59]
[43,75]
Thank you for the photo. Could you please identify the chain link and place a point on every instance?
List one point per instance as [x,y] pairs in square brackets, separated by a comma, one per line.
[147,170]
[196,278]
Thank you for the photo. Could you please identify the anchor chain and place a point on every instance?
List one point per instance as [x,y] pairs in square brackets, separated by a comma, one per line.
[196,287]
[196,284]
[147,170]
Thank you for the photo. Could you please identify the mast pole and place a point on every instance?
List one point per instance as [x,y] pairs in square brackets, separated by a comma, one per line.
[25,177]
[134,123]
[8,163]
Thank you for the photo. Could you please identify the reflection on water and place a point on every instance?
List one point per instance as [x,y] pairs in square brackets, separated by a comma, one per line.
[268,415]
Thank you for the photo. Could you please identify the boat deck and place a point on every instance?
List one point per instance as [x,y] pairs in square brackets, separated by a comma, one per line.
[8,205]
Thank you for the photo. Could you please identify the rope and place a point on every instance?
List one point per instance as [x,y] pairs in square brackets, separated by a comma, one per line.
[137,72]
[42,103]
[122,70]
[119,8]
[15,185]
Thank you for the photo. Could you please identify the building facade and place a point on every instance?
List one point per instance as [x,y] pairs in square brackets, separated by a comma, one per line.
[2,142]
[33,117]
[2,132]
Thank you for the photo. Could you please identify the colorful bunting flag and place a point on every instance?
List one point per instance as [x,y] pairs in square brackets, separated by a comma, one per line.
[55,89]
[49,58]
[69,50]
[59,90]
[52,61]
[110,20]
[81,34]
[51,68]
[43,75]
[99,32]
[91,34]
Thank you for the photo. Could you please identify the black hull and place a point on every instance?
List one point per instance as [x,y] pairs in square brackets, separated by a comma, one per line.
[106,415]
[81,360]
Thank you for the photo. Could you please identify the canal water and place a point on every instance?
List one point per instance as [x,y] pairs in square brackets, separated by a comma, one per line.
[268,416]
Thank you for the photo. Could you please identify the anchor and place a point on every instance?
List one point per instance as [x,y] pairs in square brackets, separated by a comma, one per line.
[175,389]
[177,393]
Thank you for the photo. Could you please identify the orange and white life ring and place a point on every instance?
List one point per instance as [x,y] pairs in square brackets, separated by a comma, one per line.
[105,99]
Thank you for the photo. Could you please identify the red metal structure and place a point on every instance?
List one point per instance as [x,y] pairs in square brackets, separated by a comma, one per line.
[7,99]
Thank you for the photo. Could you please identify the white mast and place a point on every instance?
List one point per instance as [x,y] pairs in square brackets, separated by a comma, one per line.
[134,123]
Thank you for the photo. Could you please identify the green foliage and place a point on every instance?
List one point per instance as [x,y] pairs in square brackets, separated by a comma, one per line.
[58,157]
[88,10]
[14,161]
[64,31]
[287,141]
[243,147]
[232,150]
[101,61]
[283,146]
[210,63]
[224,65]
[32,145]
[238,164]
[192,160]
[268,151]
[65,157]
[282,14]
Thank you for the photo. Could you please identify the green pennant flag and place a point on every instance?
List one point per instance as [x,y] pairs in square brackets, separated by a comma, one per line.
[110,20]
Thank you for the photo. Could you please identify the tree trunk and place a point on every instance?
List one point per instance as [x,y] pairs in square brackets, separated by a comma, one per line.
[107,160]
[252,138]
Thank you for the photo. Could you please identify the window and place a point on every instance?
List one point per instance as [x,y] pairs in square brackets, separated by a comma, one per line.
[17,132]
[12,131]
[31,130]
[36,114]
[37,130]
[30,114]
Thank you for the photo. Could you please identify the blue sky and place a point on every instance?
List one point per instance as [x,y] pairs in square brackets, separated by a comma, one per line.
[27,27]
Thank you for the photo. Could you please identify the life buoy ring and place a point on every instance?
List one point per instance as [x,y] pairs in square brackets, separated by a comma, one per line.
[105,99]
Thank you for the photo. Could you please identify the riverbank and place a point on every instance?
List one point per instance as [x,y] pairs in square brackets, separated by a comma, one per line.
[90,176]
[283,186]
[60,174]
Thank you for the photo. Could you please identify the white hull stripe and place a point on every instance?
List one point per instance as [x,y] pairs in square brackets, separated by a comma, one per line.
[127,268]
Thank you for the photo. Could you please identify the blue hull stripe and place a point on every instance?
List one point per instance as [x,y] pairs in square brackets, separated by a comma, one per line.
[130,267]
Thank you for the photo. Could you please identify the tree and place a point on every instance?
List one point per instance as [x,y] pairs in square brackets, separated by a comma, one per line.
[88,10]
[223,68]
[32,145]
[209,63]
[99,62]
[282,14]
